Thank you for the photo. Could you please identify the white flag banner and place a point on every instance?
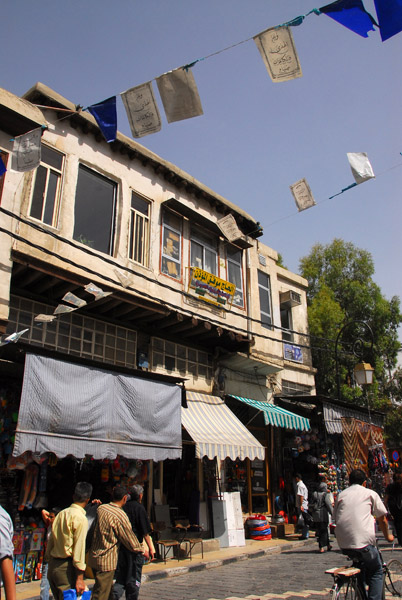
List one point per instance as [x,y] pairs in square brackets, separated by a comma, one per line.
[142,110]
[302,194]
[27,151]
[91,288]
[62,309]
[229,228]
[42,318]
[122,277]
[361,167]
[73,299]
[179,95]
[279,53]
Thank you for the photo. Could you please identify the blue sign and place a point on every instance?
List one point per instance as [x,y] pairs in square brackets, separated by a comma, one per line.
[291,352]
[395,455]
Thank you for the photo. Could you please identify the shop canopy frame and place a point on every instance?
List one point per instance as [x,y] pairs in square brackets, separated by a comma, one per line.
[216,431]
[275,415]
[71,409]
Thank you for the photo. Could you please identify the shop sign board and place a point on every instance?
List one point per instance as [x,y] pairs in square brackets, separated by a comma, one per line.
[206,286]
[292,352]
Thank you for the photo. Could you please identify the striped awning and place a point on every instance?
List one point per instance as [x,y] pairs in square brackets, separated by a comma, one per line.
[277,416]
[216,431]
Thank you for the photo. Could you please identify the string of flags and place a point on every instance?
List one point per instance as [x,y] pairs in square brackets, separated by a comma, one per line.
[61,309]
[178,89]
[361,170]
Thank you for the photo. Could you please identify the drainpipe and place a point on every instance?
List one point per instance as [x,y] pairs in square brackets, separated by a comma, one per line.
[248,289]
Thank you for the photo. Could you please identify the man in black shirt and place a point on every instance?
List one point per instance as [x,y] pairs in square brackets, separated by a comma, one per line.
[129,567]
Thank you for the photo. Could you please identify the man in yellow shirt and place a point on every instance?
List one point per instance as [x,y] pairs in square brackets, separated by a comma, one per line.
[66,550]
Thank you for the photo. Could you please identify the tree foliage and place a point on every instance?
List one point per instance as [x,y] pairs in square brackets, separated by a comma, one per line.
[342,299]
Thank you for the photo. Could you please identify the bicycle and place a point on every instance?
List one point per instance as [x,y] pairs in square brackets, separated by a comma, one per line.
[348,586]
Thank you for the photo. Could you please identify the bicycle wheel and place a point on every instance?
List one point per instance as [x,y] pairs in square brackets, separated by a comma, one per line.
[351,591]
[393,577]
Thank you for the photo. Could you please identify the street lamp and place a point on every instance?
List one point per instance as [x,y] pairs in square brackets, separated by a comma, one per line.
[363,372]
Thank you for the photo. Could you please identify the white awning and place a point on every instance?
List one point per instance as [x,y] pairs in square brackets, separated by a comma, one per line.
[74,409]
[217,431]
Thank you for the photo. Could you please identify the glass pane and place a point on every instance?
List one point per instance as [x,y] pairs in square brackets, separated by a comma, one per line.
[51,157]
[210,261]
[172,220]
[171,244]
[139,204]
[196,255]
[263,279]
[139,239]
[52,186]
[38,193]
[94,210]
[234,254]
[170,268]
[266,320]
[234,274]
[157,359]
[170,363]
[264,301]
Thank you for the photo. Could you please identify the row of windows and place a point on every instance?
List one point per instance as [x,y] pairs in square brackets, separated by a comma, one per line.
[95,228]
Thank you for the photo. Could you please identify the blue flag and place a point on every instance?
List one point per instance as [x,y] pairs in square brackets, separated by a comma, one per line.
[2,167]
[389,13]
[106,117]
[351,14]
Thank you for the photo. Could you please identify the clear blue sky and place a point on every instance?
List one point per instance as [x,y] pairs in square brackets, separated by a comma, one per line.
[256,137]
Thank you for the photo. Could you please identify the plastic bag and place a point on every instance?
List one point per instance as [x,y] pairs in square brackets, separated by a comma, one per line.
[72,595]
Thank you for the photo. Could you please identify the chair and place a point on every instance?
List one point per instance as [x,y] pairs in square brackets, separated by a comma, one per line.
[165,545]
[191,538]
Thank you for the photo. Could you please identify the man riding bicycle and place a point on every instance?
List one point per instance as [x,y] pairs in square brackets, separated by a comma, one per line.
[355,512]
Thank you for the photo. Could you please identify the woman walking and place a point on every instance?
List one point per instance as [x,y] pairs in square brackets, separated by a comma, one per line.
[321,509]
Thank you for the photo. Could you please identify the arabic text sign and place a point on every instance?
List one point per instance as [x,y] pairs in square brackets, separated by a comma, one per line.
[210,288]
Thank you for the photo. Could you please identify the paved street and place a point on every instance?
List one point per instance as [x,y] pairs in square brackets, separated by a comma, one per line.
[298,573]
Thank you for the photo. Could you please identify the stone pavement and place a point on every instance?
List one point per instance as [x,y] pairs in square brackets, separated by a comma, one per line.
[267,570]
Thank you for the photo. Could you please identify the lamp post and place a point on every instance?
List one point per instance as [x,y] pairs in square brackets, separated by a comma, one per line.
[363,372]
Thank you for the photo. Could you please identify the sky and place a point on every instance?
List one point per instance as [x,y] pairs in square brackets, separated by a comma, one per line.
[256,137]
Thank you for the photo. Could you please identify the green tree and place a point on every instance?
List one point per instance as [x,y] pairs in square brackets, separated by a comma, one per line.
[342,291]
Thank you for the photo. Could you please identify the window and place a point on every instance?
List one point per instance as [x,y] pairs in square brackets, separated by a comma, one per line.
[202,254]
[286,323]
[139,230]
[234,259]
[74,334]
[290,388]
[264,289]
[170,357]
[95,205]
[171,245]
[47,186]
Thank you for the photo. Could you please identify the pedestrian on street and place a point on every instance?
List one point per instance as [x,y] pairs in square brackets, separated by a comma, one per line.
[356,510]
[393,501]
[321,510]
[66,549]
[129,566]
[6,555]
[48,516]
[302,505]
[112,528]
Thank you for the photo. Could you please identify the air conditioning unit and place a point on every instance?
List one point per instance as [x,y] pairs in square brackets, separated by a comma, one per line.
[290,299]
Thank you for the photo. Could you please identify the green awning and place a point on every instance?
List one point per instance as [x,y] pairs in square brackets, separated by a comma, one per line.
[274,415]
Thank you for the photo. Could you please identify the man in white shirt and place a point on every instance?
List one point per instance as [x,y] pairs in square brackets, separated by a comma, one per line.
[302,504]
[355,512]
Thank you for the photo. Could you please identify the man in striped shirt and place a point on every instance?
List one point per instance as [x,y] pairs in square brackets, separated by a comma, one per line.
[112,528]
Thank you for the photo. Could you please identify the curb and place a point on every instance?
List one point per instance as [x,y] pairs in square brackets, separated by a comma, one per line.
[202,566]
